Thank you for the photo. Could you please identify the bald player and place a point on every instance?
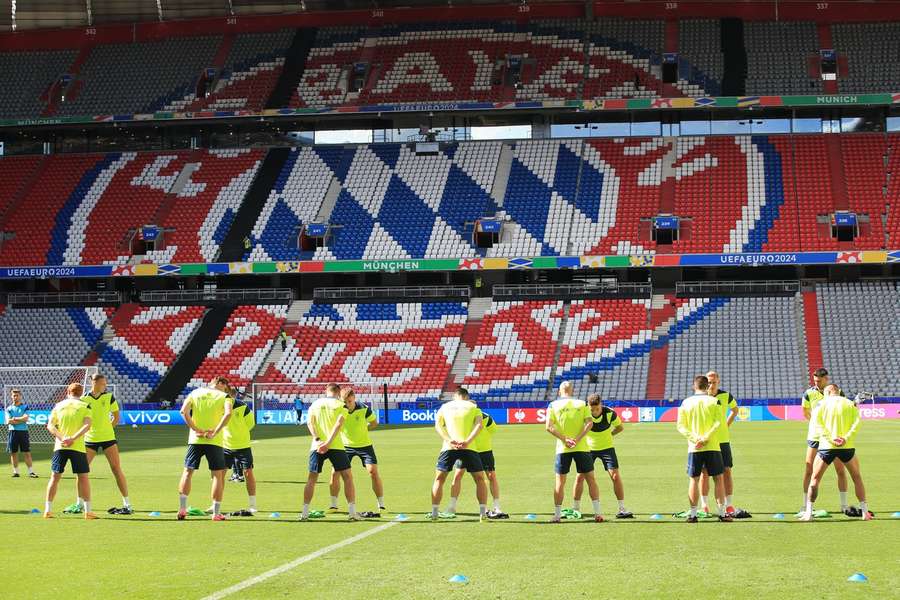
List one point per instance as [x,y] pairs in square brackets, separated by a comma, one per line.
[838,421]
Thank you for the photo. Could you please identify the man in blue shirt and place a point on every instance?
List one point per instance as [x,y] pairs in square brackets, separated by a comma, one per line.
[17,420]
[298,407]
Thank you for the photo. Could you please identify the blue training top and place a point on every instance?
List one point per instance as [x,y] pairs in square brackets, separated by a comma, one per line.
[14,412]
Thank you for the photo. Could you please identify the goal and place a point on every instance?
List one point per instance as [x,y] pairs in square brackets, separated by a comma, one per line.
[41,388]
[274,402]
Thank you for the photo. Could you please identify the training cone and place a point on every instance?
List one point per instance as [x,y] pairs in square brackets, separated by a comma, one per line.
[858,578]
[531,517]
[779,516]
[458,579]
[656,517]
[896,515]
[35,511]
[401,517]
[275,515]
[155,513]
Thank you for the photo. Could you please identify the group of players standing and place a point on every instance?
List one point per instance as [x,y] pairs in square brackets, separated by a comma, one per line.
[83,425]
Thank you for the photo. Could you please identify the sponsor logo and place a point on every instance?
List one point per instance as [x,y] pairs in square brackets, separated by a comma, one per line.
[627,414]
[734,259]
[526,415]
[418,416]
[872,413]
[41,272]
[152,417]
[648,414]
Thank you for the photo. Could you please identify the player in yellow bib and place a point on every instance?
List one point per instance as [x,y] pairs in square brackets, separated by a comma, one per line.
[605,424]
[569,421]
[206,412]
[484,446]
[69,420]
[838,421]
[360,421]
[728,407]
[458,423]
[102,438]
[699,416]
[238,454]
[810,402]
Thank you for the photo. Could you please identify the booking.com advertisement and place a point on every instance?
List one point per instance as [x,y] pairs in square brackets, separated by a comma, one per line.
[512,416]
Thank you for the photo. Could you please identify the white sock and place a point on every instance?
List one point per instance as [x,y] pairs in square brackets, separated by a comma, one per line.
[482,509]
[706,501]
[305,512]
[843,496]
[182,501]
[576,505]
[863,506]
[497,504]
[87,506]
[693,512]
[451,506]
[557,511]
[125,502]
[217,507]
[380,501]
[622,506]
[30,470]
[809,506]
[16,470]
[721,510]
[596,505]
[351,508]
[804,500]
[728,501]
[48,506]
[252,501]
[333,502]
[79,501]
[434,510]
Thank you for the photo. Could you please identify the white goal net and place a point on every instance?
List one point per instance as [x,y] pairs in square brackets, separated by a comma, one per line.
[276,402]
[41,388]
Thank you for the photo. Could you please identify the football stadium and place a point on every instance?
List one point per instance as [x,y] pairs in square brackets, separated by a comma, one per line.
[603,295]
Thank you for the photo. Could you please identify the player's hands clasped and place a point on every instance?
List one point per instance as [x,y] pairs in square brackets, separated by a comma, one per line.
[571,443]
[839,441]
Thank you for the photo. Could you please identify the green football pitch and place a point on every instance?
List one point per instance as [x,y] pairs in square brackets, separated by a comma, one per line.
[141,556]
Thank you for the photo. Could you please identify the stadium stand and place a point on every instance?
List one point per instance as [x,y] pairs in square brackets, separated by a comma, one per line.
[860,324]
[146,341]
[28,77]
[241,347]
[34,337]
[871,64]
[701,63]
[410,347]
[778,56]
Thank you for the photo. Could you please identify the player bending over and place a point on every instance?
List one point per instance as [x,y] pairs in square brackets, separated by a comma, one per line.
[838,421]
[236,440]
[69,420]
[327,416]
[206,411]
[699,416]
[360,421]
[18,439]
[458,422]
[728,408]
[484,446]
[605,423]
[810,401]
[102,438]
[569,420]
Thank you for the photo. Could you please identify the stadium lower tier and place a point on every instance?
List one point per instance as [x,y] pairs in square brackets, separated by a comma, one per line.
[629,351]
[470,200]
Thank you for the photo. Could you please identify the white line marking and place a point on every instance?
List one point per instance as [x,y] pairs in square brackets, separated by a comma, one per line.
[296,562]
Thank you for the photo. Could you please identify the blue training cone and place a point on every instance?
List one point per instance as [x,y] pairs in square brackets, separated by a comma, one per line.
[779,516]
[656,517]
[896,515]
[401,517]
[858,578]
[275,515]
[531,517]
[35,511]
[155,513]
[458,579]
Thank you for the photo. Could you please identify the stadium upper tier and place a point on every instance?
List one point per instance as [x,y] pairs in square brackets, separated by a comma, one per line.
[457,61]
[731,194]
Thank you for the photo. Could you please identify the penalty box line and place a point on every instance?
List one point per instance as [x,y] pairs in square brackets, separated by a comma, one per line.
[296,563]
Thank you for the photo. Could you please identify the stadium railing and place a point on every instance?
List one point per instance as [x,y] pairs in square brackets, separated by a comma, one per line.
[64,298]
[240,296]
[687,289]
[383,294]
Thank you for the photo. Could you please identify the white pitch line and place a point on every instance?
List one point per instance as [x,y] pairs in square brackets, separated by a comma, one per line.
[296,563]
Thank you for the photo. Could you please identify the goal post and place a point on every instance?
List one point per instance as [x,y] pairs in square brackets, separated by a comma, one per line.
[275,403]
[41,389]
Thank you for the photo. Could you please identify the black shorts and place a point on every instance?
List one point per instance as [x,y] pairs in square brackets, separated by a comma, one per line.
[487,461]
[812,444]
[78,459]
[583,462]
[215,457]
[338,458]
[97,446]
[608,457]
[711,460]
[468,459]
[842,454]
[239,459]
[366,455]
[727,459]
[18,442]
